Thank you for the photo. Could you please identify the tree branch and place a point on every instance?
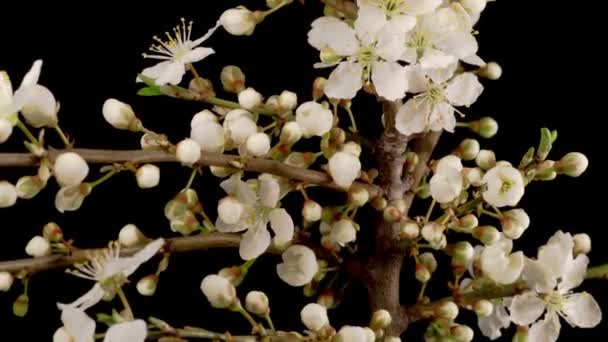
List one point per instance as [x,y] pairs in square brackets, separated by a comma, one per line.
[424,148]
[209,159]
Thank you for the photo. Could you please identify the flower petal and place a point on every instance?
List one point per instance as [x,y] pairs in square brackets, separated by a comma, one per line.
[208,34]
[420,7]
[389,79]
[370,20]
[197,54]
[282,226]
[581,310]
[92,297]
[32,76]
[344,81]
[254,242]
[133,331]
[442,117]
[412,116]
[78,324]
[171,74]
[546,330]
[155,71]
[335,34]
[463,90]
[416,79]
[435,59]
[269,192]
[37,104]
[574,273]
[538,277]
[557,253]
[499,319]
[526,308]
[223,227]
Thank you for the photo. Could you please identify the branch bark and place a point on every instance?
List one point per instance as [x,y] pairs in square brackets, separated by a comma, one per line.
[208,159]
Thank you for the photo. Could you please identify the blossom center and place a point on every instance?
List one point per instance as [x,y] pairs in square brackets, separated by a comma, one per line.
[176,46]
[366,55]
[553,300]
[435,93]
[507,184]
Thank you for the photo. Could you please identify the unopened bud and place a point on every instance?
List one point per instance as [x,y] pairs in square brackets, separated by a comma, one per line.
[409,230]
[130,236]
[233,79]
[120,115]
[256,302]
[258,144]
[146,286]
[202,86]
[188,151]
[572,164]
[521,334]
[6,129]
[514,223]
[38,247]
[8,194]
[468,149]
[312,211]
[486,127]
[462,333]
[411,161]
[239,21]
[219,291]
[186,224]
[220,171]
[582,244]
[433,233]
[291,133]
[148,176]
[358,196]
[249,98]
[352,148]
[492,70]
[469,221]
[485,159]
[380,320]
[379,203]
[423,274]
[545,171]
[486,234]
[318,88]
[474,176]
[447,310]
[6,281]
[429,261]
[483,308]
[314,316]
[545,145]
[21,305]
[463,255]
[288,100]
[391,214]
[52,232]
[392,339]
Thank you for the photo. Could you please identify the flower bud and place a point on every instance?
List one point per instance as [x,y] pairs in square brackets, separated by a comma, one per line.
[582,243]
[21,305]
[38,247]
[314,119]
[29,186]
[311,211]
[188,151]
[220,171]
[6,129]
[8,194]
[120,115]
[148,176]
[483,308]
[344,168]
[429,261]
[380,320]
[350,334]
[572,164]
[40,107]
[485,159]
[486,127]
[474,176]
[288,100]
[210,135]
[233,79]
[130,236]
[392,339]
[352,148]
[469,222]
[391,214]
[146,286]
[318,88]
[250,98]
[52,232]
[256,302]
[230,209]
[291,133]
[258,144]
[468,149]
[219,291]
[492,70]
[379,203]
[462,333]
[514,223]
[238,21]
[463,255]
[314,317]
[358,196]
[433,233]
[486,234]
[70,169]
[343,232]
[152,141]
[422,273]
[447,310]
[409,230]
[6,281]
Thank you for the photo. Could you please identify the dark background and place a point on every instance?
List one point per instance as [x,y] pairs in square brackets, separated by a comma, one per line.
[550,58]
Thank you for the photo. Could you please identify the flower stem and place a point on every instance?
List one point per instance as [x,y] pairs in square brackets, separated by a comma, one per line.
[598,272]
[276,8]
[193,70]
[422,289]
[270,324]
[125,303]
[27,133]
[430,211]
[489,213]
[352,119]
[191,179]
[463,124]
[248,317]
[103,178]
[63,137]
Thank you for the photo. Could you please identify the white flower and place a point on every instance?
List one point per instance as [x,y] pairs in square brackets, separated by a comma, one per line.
[130,236]
[354,334]
[371,50]
[79,327]
[314,119]
[474,8]
[291,133]
[6,281]
[120,115]
[70,198]
[505,186]
[442,38]
[8,194]
[259,199]
[6,129]
[491,325]
[312,211]
[238,21]
[551,278]
[258,144]
[343,232]
[299,265]
[219,291]
[188,152]
[582,243]
[514,223]
[257,302]
[249,98]
[499,264]
[230,209]
[433,109]
[208,133]
[176,53]
[446,184]
[314,316]
[148,176]
[70,169]
[352,148]
[405,10]
[38,247]
[344,168]
[239,125]
[288,100]
[108,265]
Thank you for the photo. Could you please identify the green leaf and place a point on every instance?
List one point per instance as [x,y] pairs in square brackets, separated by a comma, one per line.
[546,142]
[150,91]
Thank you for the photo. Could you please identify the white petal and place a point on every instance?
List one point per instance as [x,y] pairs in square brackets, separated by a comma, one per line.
[461,44]
[442,75]
[144,255]
[389,79]
[499,319]
[344,168]
[172,74]
[574,273]
[416,79]
[391,39]
[344,81]
[32,75]
[463,90]
[334,33]
[370,20]
[223,227]
[446,185]
[133,331]
[254,242]
[37,104]
[92,297]
[197,55]
[210,136]
[538,277]
[546,330]
[442,117]
[526,308]
[420,7]
[474,60]
[581,310]
[269,192]
[557,253]
[78,324]
[435,59]
[412,116]
[208,34]
[499,266]
[410,55]
[282,226]
[156,70]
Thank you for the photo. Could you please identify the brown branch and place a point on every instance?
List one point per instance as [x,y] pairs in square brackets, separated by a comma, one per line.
[208,159]
[424,148]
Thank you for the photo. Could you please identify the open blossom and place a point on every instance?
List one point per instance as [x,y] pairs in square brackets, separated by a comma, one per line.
[551,277]
[447,182]
[439,92]
[344,168]
[79,327]
[219,291]
[256,201]
[498,263]
[368,51]
[175,53]
[313,119]
[404,10]
[505,186]
[108,264]
[299,265]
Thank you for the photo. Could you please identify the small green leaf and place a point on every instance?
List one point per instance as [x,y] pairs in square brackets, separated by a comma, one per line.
[546,141]
[527,158]
[150,91]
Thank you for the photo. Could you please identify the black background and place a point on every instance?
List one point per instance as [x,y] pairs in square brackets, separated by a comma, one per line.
[552,65]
